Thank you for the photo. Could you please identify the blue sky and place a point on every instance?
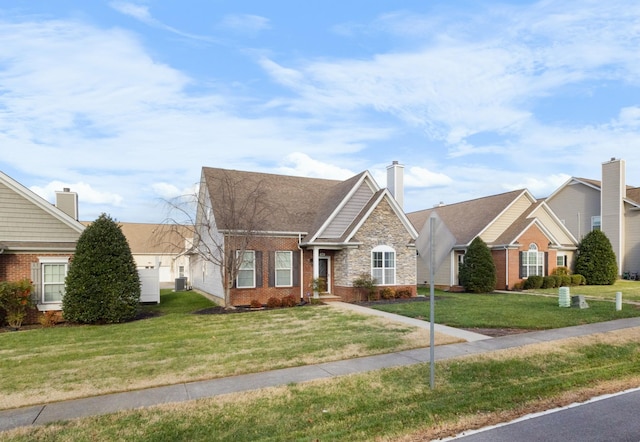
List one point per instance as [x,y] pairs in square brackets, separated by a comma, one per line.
[125,101]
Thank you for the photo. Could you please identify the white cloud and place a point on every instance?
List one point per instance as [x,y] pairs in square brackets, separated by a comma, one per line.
[300,164]
[245,23]
[86,193]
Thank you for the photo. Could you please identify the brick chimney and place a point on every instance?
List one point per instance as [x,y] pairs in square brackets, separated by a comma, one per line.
[67,201]
[395,182]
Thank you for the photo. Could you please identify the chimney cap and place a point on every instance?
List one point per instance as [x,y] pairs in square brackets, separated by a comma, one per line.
[66,189]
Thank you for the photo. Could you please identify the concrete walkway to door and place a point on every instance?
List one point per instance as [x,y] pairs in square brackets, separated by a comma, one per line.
[444,329]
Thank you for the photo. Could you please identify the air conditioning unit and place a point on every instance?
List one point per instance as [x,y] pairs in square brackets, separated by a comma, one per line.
[181,284]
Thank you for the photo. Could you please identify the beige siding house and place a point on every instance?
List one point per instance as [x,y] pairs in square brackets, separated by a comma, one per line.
[302,229]
[610,205]
[37,240]
[524,235]
[155,246]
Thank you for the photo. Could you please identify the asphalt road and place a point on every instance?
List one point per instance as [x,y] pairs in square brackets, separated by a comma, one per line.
[609,419]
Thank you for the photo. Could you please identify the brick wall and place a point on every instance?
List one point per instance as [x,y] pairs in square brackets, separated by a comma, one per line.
[262,293]
[531,235]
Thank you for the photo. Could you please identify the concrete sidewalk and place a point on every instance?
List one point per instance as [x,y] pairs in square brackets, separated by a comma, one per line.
[78,408]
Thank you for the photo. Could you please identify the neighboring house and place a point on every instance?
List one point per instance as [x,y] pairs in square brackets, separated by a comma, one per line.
[307,229]
[37,240]
[525,238]
[610,205]
[162,247]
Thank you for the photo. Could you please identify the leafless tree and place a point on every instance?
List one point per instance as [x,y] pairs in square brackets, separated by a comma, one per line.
[221,219]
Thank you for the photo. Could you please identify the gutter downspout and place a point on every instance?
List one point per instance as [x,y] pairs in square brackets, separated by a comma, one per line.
[301,268]
[506,266]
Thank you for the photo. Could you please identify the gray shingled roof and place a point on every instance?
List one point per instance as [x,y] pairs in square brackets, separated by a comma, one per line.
[465,220]
[633,193]
[295,204]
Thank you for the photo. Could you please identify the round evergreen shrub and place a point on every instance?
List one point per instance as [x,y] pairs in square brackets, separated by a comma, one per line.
[102,285]
[533,282]
[549,282]
[578,279]
[596,260]
[478,271]
[565,280]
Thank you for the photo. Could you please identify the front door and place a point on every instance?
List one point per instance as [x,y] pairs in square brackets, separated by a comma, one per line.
[324,272]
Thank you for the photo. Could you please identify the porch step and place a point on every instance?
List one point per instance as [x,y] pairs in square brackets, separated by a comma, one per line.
[328,297]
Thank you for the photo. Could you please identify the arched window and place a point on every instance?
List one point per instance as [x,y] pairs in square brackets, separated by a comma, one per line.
[383,265]
[531,262]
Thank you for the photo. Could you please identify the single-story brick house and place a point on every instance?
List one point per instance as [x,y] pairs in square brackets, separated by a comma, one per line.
[524,235]
[37,240]
[302,229]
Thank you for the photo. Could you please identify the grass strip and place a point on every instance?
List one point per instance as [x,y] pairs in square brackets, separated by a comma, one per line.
[382,405]
[509,310]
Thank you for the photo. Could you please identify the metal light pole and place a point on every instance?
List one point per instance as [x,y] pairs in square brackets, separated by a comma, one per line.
[432,260]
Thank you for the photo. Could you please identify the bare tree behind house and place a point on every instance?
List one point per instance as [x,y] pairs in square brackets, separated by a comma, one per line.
[223,219]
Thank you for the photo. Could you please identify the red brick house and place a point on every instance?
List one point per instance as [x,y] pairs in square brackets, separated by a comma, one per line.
[37,240]
[524,235]
[302,229]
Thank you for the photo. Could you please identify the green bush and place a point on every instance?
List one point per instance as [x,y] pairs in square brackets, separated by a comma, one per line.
[478,271]
[549,282]
[596,260]
[102,285]
[565,281]
[578,279]
[533,282]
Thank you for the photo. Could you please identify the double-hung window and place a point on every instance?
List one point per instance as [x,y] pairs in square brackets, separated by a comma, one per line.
[532,262]
[53,276]
[383,265]
[284,267]
[595,223]
[247,272]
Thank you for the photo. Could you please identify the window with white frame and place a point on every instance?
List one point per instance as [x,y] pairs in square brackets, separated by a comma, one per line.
[383,265]
[595,223]
[246,275]
[284,275]
[532,262]
[54,272]
[561,260]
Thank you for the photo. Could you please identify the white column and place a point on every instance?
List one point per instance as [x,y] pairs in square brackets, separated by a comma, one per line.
[316,267]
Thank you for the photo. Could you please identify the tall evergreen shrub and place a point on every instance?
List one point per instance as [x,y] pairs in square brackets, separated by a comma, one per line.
[478,271]
[596,260]
[102,285]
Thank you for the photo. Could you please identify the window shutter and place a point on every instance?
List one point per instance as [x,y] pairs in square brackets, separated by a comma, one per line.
[296,269]
[36,279]
[258,269]
[272,269]
[522,264]
[546,263]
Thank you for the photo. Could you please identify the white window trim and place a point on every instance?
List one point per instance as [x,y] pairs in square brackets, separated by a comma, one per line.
[290,268]
[533,249]
[253,271]
[55,260]
[384,250]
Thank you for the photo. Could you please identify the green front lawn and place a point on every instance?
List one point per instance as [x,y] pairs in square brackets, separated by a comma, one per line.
[508,310]
[630,290]
[63,362]
[392,405]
